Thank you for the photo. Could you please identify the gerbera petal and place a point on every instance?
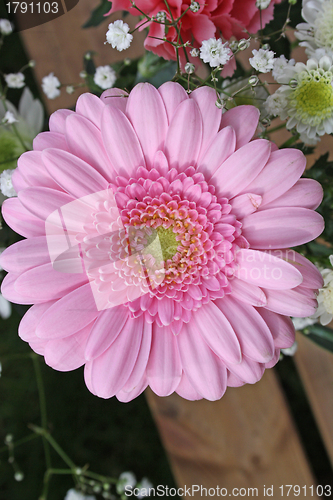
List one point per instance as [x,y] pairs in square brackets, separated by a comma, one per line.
[255,339]
[211,115]
[172,95]
[58,119]
[33,171]
[147,113]
[106,329]
[244,120]
[125,397]
[21,220]
[237,172]
[281,327]
[282,227]
[91,107]
[290,303]
[245,204]
[42,201]
[184,137]
[68,315]
[50,140]
[28,324]
[116,98]
[139,369]
[222,146]
[164,367]
[203,368]
[248,370]
[67,354]
[311,275]
[248,292]
[111,370]
[186,390]
[306,193]
[25,255]
[10,293]
[121,142]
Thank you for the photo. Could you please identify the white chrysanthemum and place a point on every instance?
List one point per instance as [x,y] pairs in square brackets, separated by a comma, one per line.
[118,35]
[15,80]
[9,118]
[325,297]
[317,31]
[279,66]
[215,52]
[6,27]
[262,4]
[277,104]
[309,92]
[5,307]
[73,494]
[6,185]
[105,77]
[50,86]
[262,60]
[126,480]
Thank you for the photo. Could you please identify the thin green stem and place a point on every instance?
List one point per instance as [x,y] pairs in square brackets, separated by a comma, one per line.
[275,129]
[19,442]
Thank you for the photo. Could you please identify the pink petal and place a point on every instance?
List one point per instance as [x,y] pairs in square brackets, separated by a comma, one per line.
[290,303]
[248,370]
[67,354]
[255,339]
[222,146]
[204,370]
[306,193]
[42,201]
[91,107]
[186,390]
[237,172]
[281,172]
[125,397]
[281,327]
[21,220]
[164,367]
[106,329]
[166,310]
[33,170]
[266,270]
[183,140]
[140,366]
[10,293]
[73,174]
[58,119]
[172,94]
[116,98]
[244,120]
[85,141]
[311,275]
[28,324]
[247,292]
[25,255]
[282,227]
[146,111]
[218,333]
[205,97]
[44,283]
[111,370]
[245,204]
[121,142]
[18,181]
[50,140]
[68,315]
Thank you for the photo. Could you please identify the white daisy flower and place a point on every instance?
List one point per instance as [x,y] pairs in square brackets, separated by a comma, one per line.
[50,86]
[105,77]
[262,60]
[6,27]
[309,92]
[215,52]
[6,185]
[317,31]
[118,35]
[325,297]
[15,80]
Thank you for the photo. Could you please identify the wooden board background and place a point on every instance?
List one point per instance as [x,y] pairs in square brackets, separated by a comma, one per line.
[248,439]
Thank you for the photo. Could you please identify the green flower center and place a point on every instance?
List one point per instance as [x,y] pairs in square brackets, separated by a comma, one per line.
[165,241]
[313,96]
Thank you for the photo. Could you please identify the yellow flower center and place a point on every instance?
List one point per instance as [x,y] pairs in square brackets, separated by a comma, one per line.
[313,96]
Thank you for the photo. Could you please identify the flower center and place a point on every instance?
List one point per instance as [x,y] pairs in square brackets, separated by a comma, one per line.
[328,298]
[323,26]
[313,97]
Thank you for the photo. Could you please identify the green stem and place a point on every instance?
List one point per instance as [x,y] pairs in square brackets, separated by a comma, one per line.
[20,441]
[42,407]
[274,129]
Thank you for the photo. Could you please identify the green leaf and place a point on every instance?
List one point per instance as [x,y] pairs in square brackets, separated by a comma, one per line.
[320,335]
[98,14]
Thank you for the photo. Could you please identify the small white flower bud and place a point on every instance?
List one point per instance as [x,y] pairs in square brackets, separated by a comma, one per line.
[70,89]
[18,476]
[83,74]
[189,68]
[243,44]
[253,80]
[194,52]
[195,6]
[161,16]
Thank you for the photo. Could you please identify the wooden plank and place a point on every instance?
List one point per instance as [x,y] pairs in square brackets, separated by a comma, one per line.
[245,440]
[315,366]
[59,45]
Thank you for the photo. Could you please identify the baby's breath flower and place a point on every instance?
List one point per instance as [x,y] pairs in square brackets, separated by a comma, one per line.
[276,104]
[9,118]
[50,86]
[195,6]
[262,60]
[118,35]
[70,89]
[325,297]
[126,479]
[105,77]
[215,52]
[83,74]
[243,44]
[189,68]
[6,27]
[161,16]
[194,52]
[279,66]
[6,185]
[15,80]
[262,4]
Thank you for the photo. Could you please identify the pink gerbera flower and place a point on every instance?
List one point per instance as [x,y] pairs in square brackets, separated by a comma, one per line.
[203,301]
